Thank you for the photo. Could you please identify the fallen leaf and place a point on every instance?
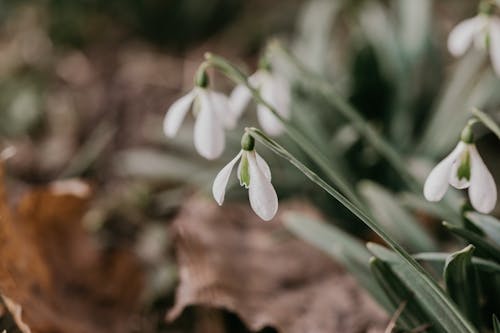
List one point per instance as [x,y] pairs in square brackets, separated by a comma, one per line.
[228,258]
[54,277]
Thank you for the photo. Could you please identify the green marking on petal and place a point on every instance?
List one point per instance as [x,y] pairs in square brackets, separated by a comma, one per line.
[463,171]
[244,171]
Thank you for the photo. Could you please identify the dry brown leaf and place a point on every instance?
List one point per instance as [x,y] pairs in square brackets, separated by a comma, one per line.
[230,259]
[53,275]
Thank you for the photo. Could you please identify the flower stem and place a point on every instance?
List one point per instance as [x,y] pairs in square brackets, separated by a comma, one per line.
[302,141]
[420,273]
[372,137]
[487,121]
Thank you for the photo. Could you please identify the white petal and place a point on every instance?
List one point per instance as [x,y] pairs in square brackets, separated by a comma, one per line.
[453,180]
[437,182]
[261,193]
[209,139]
[482,190]
[462,35]
[495,44]
[264,167]
[220,182]
[268,121]
[274,91]
[281,96]
[176,114]
[239,99]
[222,106]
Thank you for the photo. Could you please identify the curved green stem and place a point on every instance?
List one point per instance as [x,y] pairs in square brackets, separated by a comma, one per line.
[460,324]
[487,121]
[372,137]
[303,142]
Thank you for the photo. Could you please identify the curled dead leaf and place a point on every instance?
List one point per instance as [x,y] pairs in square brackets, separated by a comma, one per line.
[230,259]
[54,277]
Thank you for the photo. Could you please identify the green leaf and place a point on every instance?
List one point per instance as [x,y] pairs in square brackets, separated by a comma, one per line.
[484,248]
[398,293]
[496,324]
[461,284]
[488,224]
[451,112]
[425,296]
[296,135]
[443,311]
[339,245]
[481,264]
[398,222]
[418,203]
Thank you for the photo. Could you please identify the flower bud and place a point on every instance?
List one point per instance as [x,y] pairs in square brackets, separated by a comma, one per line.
[247,142]
[201,78]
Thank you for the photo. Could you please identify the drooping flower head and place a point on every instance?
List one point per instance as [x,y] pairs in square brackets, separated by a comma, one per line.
[482,31]
[255,175]
[213,114]
[463,168]
[273,89]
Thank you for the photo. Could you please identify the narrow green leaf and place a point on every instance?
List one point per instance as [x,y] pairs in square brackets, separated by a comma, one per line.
[450,114]
[424,296]
[398,222]
[460,279]
[330,94]
[484,248]
[444,312]
[418,203]
[496,324]
[339,245]
[481,264]
[488,224]
[397,292]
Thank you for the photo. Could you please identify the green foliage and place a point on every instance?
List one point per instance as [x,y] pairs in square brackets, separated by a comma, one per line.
[460,280]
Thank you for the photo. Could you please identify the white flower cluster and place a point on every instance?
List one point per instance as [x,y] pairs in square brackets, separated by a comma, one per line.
[215,112]
[463,168]
[482,31]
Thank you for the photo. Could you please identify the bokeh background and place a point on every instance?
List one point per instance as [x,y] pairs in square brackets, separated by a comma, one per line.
[84,86]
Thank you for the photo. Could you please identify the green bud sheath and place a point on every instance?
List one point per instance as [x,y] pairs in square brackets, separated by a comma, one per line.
[201,78]
[247,142]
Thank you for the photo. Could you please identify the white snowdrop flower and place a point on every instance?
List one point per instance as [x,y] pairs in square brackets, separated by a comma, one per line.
[274,89]
[253,173]
[463,168]
[213,114]
[482,31]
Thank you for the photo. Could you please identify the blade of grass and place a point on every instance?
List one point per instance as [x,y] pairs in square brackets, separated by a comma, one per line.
[398,293]
[488,224]
[443,311]
[460,279]
[485,248]
[481,264]
[313,83]
[496,324]
[303,142]
[398,222]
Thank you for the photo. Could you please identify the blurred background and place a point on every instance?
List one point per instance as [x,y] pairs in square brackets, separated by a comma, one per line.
[85,84]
